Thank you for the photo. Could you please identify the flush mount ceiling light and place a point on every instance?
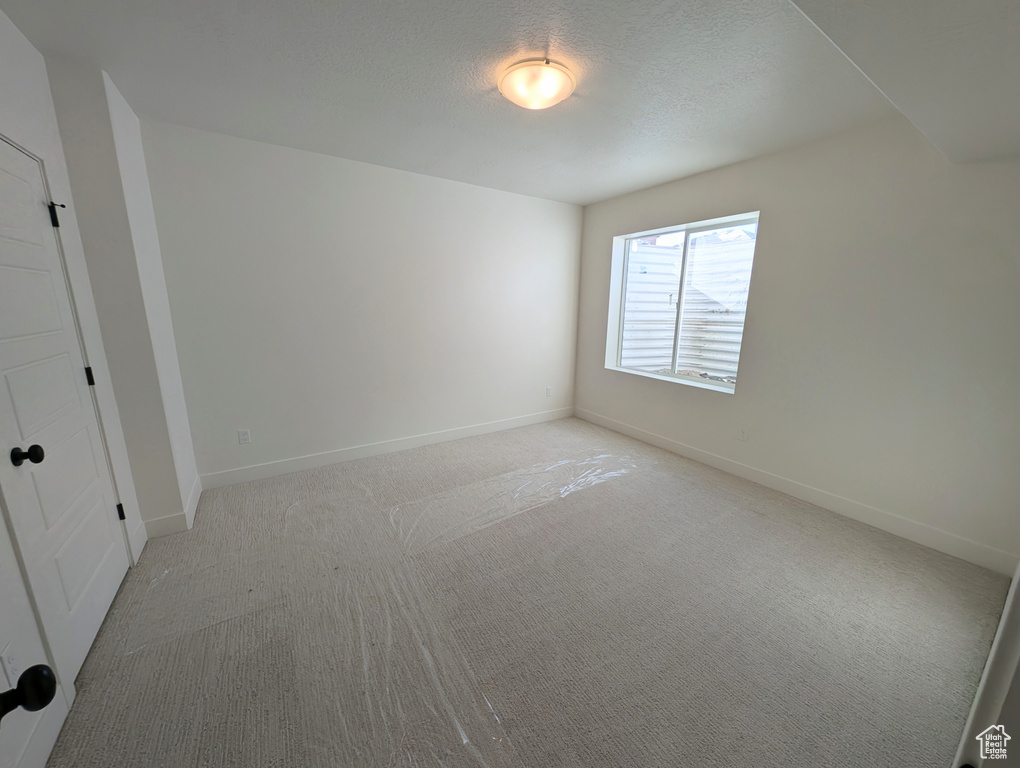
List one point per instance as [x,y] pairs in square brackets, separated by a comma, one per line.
[536,84]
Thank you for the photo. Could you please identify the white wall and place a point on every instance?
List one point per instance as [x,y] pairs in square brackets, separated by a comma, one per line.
[337,309]
[127,139]
[880,365]
[109,234]
[27,118]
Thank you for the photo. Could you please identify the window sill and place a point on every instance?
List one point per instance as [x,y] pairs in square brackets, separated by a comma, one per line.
[690,381]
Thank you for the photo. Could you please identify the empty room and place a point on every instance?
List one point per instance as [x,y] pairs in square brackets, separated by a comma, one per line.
[509,385]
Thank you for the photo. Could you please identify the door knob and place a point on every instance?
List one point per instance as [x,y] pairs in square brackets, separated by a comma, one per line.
[34,454]
[36,688]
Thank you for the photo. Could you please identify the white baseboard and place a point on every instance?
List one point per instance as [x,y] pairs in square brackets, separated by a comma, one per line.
[164,526]
[920,533]
[192,504]
[180,521]
[315,460]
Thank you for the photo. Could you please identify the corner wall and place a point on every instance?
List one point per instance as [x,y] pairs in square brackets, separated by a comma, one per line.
[27,118]
[127,139]
[338,309]
[106,167]
[879,368]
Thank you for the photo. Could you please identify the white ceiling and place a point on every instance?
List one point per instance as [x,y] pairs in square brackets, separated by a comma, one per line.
[951,66]
[666,88]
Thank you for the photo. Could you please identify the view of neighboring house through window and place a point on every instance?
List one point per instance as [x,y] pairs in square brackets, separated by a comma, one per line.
[680,297]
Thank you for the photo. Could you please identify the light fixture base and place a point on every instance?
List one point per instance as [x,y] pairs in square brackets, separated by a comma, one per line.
[537,83]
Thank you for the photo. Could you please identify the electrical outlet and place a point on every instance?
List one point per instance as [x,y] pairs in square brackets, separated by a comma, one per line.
[742,434]
[548,391]
[244,436]
[11,668]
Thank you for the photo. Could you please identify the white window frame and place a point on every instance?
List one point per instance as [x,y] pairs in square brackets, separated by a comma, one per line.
[617,290]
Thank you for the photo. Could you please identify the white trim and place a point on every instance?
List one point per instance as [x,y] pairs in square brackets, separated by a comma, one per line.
[926,535]
[165,526]
[315,460]
[679,378]
[136,540]
[617,289]
[181,521]
[695,226]
[999,674]
[192,503]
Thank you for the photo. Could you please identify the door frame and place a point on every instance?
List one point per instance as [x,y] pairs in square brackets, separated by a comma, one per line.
[1002,670]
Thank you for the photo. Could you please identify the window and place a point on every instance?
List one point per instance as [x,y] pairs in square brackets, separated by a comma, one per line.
[678,299]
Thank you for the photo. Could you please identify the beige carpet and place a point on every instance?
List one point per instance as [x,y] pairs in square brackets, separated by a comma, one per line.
[556,595]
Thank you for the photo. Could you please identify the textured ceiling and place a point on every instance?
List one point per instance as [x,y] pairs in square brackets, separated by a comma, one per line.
[951,66]
[665,88]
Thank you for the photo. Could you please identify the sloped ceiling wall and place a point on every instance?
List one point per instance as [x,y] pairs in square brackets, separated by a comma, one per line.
[953,68]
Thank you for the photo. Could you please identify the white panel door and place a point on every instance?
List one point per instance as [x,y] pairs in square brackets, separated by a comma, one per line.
[26,738]
[62,510]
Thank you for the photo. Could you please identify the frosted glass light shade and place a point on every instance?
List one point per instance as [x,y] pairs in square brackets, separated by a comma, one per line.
[536,84]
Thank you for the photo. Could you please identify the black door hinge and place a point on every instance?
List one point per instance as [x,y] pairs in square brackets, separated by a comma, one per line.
[88,376]
[120,512]
[53,213]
